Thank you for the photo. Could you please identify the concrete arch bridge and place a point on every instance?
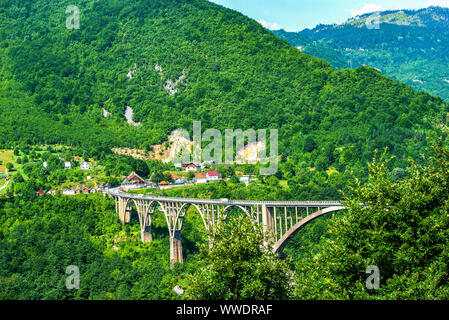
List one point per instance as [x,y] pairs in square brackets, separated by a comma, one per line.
[282,219]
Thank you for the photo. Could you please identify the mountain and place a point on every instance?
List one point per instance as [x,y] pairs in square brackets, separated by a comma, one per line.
[408,45]
[321,50]
[176,61]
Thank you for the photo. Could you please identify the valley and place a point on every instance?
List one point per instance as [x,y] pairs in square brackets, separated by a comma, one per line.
[93,121]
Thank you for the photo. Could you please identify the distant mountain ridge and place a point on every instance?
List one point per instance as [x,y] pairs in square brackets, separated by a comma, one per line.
[410,46]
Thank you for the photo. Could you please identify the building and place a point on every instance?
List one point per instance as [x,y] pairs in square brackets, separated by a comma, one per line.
[67,165]
[133,179]
[45,164]
[200,178]
[212,176]
[244,179]
[192,167]
[85,165]
[164,185]
[177,180]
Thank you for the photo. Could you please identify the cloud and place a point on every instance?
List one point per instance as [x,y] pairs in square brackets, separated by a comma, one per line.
[438,3]
[368,8]
[269,25]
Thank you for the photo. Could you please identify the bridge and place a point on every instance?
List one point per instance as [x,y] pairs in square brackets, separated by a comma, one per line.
[281,219]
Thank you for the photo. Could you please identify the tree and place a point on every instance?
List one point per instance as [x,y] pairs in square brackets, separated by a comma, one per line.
[9,166]
[401,228]
[273,181]
[157,177]
[239,266]
[234,179]
[309,144]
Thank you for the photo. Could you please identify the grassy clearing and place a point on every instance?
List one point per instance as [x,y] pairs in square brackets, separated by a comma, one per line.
[5,157]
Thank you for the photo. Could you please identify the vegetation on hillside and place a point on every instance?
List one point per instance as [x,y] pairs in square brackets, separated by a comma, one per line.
[55,82]
[402,229]
[408,45]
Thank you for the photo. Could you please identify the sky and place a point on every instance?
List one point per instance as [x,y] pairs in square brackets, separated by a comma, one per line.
[296,15]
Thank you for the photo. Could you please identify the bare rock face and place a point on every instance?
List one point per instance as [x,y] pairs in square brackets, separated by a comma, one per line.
[172,86]
[106,113]
[131,72]
[250,153]
[129,117]
[177,143]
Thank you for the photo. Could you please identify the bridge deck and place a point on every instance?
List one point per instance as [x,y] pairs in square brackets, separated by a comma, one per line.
[228,202]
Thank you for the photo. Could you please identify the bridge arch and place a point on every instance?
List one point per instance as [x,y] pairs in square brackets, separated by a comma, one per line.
[282,242]
[185,207]
[246,210]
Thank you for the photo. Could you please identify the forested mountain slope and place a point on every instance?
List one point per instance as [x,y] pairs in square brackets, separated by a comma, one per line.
[409,45]
[177,61]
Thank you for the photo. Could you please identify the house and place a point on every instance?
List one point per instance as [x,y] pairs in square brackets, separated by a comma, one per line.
[3,176]
[68,192]
[212,175]
[85,165]
[86,191]
[133,179]
[244,179]
[67,165]
[177,180]
[193,167]
[45,164]
[40,192]
[200,178]
[164,185]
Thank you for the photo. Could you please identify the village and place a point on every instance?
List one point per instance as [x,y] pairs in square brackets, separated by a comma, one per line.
[199,175]
[197,172]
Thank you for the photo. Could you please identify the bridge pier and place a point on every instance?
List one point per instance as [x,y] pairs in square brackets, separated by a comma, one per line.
[124,211]
[146,234]
[268,221]
[175,248]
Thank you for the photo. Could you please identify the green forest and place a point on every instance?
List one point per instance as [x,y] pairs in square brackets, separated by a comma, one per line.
[178,61]
[407,45]
[403,230]
[55,83]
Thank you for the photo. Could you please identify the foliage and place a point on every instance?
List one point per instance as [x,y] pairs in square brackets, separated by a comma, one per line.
[239,266]
[55,83]
[409,46]
[401,227]
[40,238]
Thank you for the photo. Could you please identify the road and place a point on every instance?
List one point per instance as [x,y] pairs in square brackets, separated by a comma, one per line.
[5,185]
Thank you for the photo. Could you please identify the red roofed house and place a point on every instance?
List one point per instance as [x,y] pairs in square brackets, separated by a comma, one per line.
[212,175]
[200,178]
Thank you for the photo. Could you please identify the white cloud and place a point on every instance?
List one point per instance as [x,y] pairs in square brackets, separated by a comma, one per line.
[368,8]
[438,3]
[269,25]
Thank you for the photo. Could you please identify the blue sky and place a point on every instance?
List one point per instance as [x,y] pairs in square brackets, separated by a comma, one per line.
[295,15]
